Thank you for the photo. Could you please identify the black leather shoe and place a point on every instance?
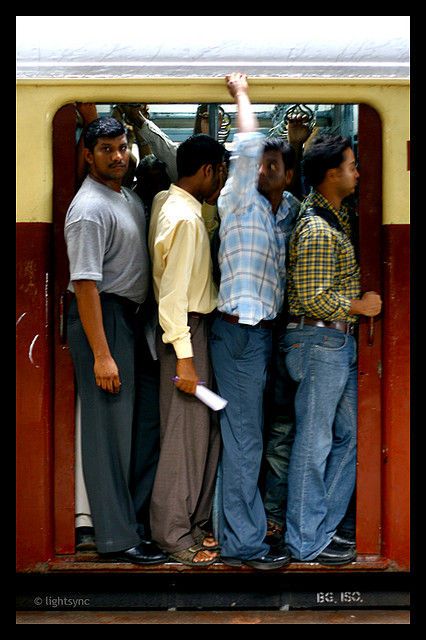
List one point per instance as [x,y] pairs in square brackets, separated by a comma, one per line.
[343,540]
[144,553]
[154,548]
[275,559]
[334,554]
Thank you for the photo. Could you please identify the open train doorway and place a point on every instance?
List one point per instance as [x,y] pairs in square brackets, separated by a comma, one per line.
[359,122]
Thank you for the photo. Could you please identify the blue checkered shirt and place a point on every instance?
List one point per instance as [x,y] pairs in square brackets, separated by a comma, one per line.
[253,240]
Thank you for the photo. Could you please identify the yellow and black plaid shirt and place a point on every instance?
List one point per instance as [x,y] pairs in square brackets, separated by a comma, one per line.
[323,274]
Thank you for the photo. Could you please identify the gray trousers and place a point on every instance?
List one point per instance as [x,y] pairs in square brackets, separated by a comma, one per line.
[107,424]
[189,450]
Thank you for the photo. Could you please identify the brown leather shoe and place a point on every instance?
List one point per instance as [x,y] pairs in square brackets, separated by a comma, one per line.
[85,539]
[274,534]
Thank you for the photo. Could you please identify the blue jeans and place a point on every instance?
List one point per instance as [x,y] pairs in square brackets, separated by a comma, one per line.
[240,355]
[323,458]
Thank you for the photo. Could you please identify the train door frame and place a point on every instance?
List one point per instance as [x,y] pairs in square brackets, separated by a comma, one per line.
[369,498]
[64,189]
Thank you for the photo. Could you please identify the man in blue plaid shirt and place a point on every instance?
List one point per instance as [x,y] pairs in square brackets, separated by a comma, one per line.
[257,217]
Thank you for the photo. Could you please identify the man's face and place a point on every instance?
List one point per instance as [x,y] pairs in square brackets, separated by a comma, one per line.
[346,175]
[273,178]
[110,158]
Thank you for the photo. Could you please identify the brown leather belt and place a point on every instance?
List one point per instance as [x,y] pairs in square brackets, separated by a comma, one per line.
[346,327]
[265,324]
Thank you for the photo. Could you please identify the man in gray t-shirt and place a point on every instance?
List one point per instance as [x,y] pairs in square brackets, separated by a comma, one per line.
[105,233]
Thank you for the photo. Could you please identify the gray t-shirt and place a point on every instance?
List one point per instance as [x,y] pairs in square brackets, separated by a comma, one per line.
[105,233]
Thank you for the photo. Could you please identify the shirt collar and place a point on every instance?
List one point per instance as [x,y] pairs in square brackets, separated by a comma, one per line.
[289,204]
[181,193]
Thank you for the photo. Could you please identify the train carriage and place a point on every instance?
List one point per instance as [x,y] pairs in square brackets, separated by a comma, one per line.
[349,73]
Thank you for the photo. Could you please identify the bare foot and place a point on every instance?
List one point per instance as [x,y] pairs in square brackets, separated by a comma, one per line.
[210,541]
[202,555]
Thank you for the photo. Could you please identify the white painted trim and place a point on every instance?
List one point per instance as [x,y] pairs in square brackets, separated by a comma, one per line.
[211,46]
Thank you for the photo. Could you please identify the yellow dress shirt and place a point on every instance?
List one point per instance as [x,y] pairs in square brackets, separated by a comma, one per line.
[181,265]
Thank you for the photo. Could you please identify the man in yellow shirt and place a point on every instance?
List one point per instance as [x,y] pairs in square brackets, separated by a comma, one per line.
[186,295]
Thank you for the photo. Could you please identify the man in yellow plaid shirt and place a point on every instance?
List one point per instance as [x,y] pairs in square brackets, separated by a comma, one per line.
[324,302]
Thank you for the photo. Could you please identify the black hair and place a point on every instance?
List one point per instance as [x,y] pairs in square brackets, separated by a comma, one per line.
[149,163]
[195,151]
[324,153]
[279,144]
[106,127]
[151,177]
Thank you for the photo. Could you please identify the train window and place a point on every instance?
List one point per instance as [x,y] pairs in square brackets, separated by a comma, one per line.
[178,121]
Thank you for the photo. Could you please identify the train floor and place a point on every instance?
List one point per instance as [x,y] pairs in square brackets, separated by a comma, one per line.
[215,617]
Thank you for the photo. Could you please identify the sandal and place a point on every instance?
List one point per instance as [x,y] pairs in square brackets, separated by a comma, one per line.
[186,556]
[203,538]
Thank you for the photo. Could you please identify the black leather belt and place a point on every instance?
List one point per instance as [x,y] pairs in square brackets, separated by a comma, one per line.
[125,302]
[346,327]
[265,324]
[129,304]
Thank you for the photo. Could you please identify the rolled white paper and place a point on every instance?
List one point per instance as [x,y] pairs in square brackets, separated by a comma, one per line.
[210,398]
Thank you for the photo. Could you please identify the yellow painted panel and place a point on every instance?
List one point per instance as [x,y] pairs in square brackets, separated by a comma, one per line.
[38,101]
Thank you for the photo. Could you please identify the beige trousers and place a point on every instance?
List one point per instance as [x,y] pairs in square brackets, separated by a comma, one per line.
[190,443]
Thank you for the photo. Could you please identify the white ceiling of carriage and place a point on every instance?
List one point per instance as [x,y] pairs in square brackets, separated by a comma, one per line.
[199,46]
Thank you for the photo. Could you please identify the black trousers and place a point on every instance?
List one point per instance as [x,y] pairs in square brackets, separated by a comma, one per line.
[120,432]
[146,434]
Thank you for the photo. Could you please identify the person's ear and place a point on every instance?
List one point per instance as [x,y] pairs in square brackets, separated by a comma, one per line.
[332,174]
[88,155]
[208,170]
[289,173]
